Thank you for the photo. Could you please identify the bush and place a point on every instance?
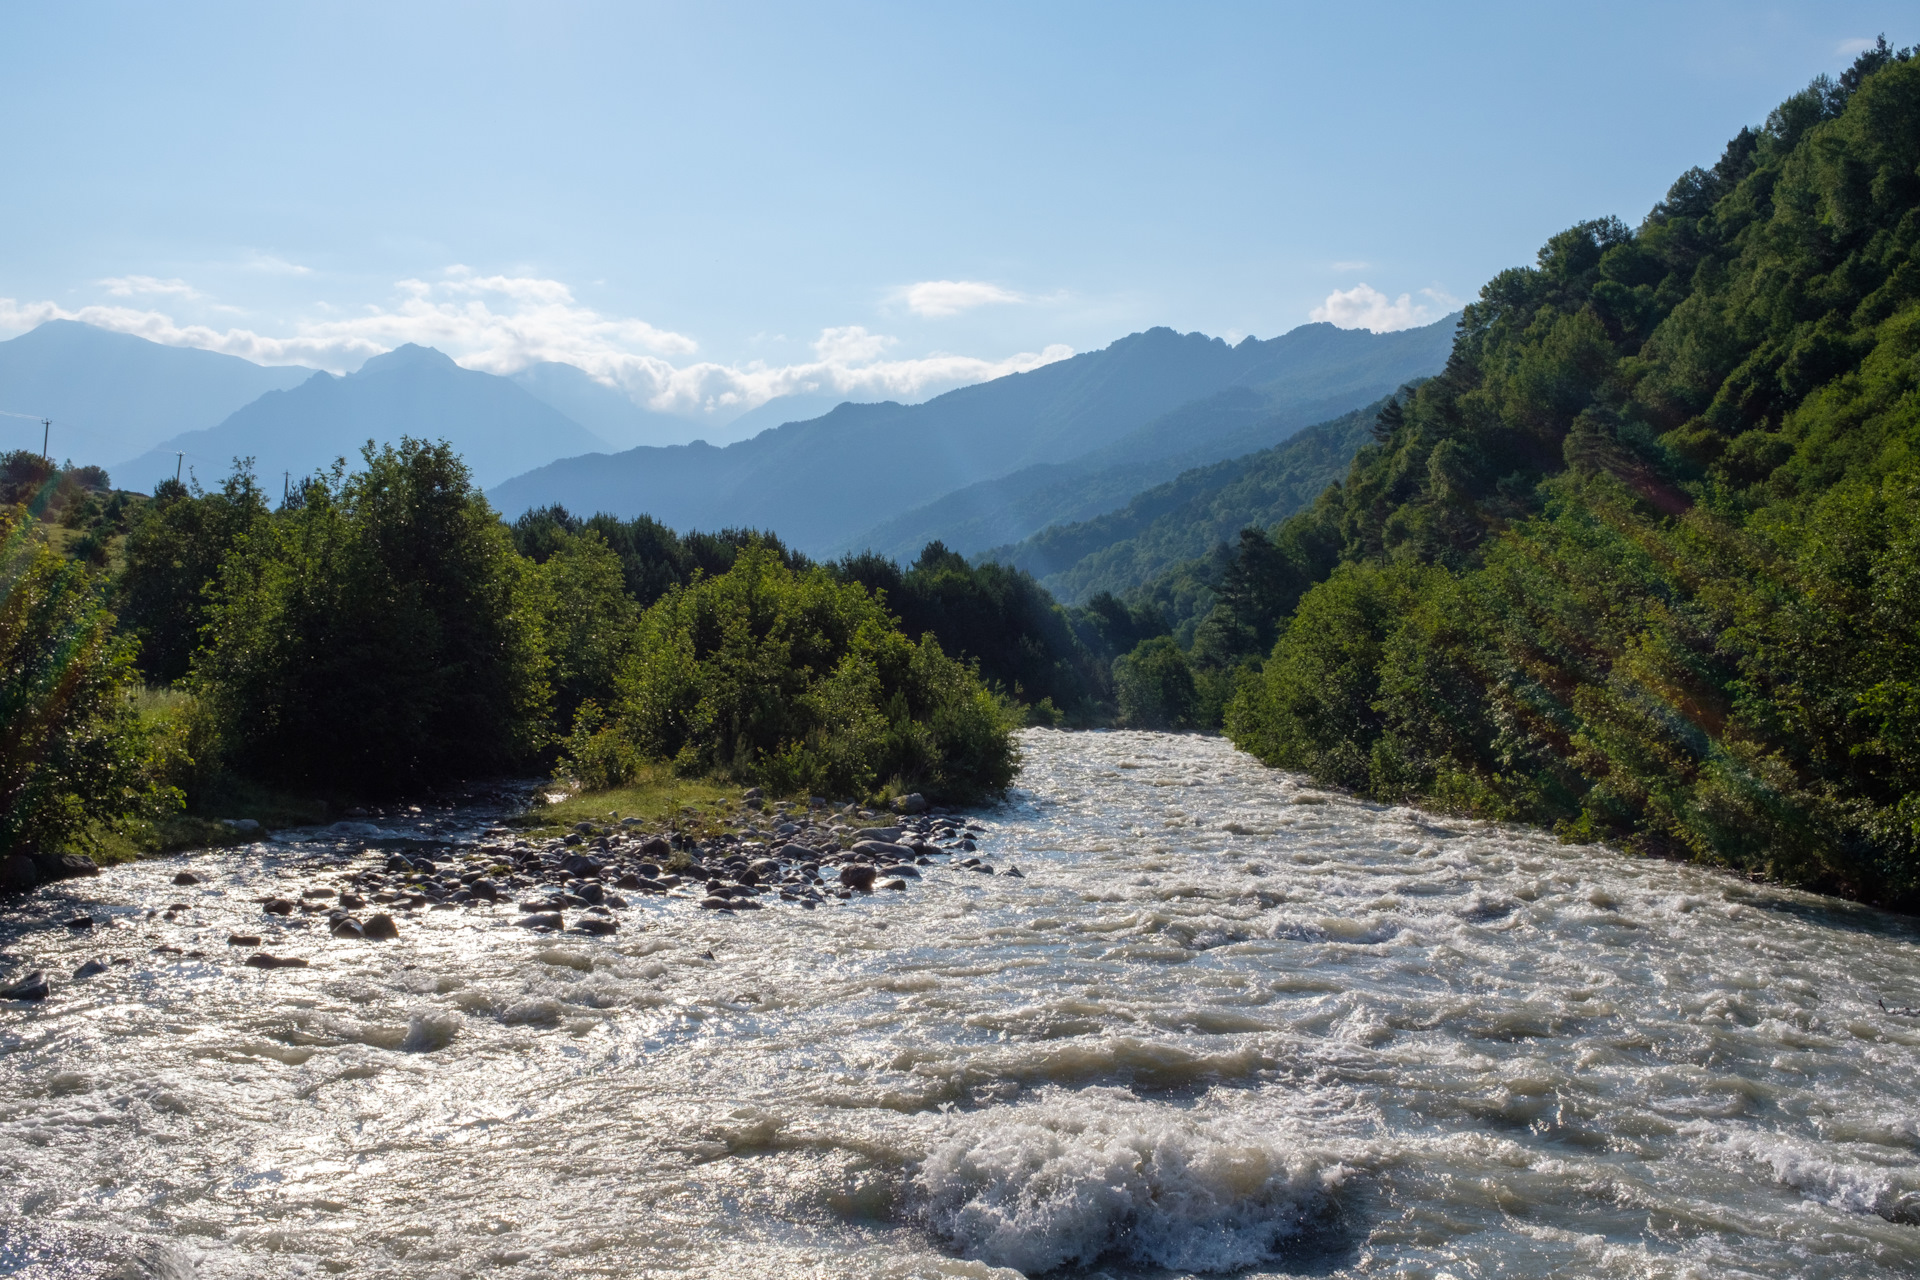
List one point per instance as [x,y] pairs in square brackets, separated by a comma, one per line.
[801,684]
[379,634]
[1156,687]
[75,758]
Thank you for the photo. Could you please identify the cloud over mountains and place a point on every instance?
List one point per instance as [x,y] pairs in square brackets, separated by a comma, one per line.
[502,324]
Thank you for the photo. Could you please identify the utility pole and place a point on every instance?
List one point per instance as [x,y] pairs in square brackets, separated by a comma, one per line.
[179,460]
[46,434]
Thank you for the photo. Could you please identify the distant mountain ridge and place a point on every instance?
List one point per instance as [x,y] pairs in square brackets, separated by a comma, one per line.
[824,483]
[114,395]
[497,426]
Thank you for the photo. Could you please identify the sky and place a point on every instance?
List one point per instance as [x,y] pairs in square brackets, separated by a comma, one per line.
[710,205]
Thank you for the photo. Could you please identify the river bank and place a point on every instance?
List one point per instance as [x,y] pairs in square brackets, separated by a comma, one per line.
[1225,1021]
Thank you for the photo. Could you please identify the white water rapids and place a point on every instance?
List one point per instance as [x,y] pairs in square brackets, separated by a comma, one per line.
[1227,1023]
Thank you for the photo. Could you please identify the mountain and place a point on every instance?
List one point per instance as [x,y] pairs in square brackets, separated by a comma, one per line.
[606,411]
[114,395]
[801,407]
[1188,516]
[824,482]
[499,427]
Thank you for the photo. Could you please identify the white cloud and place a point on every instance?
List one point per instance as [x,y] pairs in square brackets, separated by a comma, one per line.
[132,286]
[1853,48]
[1365,307]
[267,263]
[935,299]
[501,324]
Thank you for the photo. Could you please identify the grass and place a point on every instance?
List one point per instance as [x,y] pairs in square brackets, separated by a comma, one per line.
[658,797]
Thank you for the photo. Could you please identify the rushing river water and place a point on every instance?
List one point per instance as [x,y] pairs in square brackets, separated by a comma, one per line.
[1226,1023]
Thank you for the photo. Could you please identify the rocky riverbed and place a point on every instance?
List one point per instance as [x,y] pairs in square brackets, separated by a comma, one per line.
[1224,1023]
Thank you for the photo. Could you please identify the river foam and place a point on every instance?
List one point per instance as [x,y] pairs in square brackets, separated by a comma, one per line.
[1226,1023]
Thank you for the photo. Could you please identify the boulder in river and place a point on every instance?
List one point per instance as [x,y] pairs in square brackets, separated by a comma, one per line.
[90,968]
[857,877]
[243,939]
[347,927]
[542,920]
[883,849]
[31,987]
[186,877]
[64,866]
[380,927]
[915,803]
[277,907]
[80,922]
[912,873]
[261,960]
[595,924]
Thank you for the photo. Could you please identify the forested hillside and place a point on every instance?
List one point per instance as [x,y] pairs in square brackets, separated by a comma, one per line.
[1643,563]
[1186,517]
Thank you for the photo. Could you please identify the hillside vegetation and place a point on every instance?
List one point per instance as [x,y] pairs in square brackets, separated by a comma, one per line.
[1643,562]
[1187,517]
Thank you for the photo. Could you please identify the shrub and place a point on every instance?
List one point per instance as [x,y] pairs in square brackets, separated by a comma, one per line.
[1156,687]
[802,684]
[75,758]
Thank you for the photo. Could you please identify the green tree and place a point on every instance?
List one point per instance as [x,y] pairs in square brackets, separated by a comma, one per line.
[74,758]
[380,634]
[1156,687]
[174,553]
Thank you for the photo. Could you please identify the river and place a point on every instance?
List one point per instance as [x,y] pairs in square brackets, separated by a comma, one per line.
[1226,1023]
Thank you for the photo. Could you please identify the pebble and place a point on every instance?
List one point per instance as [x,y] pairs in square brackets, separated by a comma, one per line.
[186,877]
[277,907]
[261,960]
[243,939]
[80,922]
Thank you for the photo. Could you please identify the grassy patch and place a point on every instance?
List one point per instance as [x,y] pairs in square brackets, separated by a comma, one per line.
[657,796]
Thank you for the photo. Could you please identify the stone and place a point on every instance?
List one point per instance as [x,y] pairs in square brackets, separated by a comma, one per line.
[261,960]
[80,922]
[713,903]
[753,793]
[915,803]
[186,877]
[31,987]
[246,825]
[656,847]
[380,927]
[857,877]
[883,850]
[243,939]
[887,835]
[1015,873]
[347,927]
[542,920]
[64,866]
[277,907]
[765,868]
[90,968]
[590,893]
[595,925]
[18,872]
[912,873]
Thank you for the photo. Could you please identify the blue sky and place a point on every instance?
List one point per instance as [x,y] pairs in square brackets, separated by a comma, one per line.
[710,204]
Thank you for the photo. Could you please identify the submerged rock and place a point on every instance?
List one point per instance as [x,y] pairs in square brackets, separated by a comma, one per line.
[542,920]
[380,927]
[261,960]
[90,968]
[31,987]
[186,877]
[857,877]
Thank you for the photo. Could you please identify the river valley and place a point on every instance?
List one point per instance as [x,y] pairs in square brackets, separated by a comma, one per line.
[1226,1023]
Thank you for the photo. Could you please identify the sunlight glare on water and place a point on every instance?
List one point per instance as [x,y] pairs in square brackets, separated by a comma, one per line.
[1226,1023]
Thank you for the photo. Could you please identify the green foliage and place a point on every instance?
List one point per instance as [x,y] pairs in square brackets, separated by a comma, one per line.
[173,557]
[378,634]
[799,683]
[75,757]
[589,620]
[1156,687]
[1641,563]
[998,617]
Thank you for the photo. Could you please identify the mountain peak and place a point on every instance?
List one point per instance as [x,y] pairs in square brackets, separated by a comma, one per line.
[406,356]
